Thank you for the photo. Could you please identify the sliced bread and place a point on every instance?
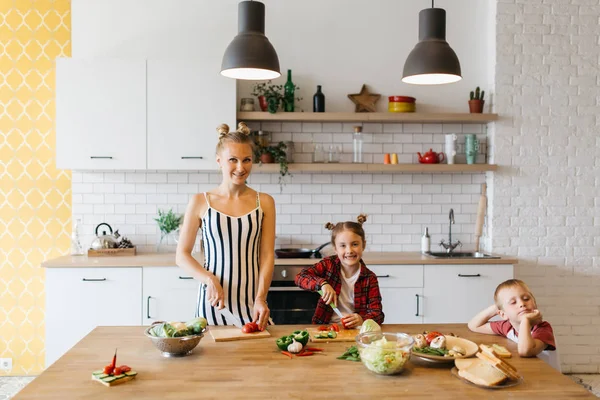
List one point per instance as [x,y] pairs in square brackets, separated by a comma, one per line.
[496,350]
[499,364]
[482,373]
[464,363]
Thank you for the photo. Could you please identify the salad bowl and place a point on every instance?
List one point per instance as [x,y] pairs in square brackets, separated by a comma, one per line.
[384,353]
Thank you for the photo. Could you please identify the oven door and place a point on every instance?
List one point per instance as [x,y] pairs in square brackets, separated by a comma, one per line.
[291,305]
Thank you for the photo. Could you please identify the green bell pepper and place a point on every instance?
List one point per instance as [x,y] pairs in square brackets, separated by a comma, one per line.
[301,336]
[284,341]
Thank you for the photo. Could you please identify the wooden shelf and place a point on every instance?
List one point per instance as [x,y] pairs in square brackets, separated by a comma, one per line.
[463,118]
[391,168]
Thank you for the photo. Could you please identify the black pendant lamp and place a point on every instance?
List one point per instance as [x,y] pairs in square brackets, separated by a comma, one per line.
[250,55]
[432,61]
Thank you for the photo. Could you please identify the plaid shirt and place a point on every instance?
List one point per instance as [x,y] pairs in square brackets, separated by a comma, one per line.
[367,299]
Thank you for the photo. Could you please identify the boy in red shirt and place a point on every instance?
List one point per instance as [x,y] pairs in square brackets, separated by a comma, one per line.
[521,322]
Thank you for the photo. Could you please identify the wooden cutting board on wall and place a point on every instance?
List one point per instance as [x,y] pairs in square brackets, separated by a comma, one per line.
[344,335]
[230,333]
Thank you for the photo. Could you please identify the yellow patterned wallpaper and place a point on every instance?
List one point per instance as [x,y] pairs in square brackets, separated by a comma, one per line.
[35,197]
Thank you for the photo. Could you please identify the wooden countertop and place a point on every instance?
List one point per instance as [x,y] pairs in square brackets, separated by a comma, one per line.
[168,260]
[256,369]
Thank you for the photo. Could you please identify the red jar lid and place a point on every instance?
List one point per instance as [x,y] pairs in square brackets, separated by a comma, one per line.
[401,99]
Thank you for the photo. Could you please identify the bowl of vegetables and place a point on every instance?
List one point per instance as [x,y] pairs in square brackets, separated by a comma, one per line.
[176,339]
[383,352]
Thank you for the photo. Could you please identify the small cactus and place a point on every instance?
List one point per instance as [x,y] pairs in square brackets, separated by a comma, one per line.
[477,94]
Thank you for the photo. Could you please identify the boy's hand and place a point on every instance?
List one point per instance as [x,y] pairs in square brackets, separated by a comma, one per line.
[352,321]
[534,317]
[329,295]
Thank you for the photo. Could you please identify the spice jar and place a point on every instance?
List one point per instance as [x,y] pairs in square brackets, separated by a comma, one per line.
[247,104]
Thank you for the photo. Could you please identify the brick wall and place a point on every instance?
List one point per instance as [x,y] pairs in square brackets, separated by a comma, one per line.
[546,201]
[399,206]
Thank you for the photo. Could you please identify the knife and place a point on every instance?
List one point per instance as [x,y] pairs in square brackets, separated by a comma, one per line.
[333,306]
[231,319]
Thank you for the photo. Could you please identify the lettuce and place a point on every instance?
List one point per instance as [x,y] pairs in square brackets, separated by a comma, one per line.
[370,326]
[383,357]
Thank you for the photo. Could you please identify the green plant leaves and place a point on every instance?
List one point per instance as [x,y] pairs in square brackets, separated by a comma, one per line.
[168,221]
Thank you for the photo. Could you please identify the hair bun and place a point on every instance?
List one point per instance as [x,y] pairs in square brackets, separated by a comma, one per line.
[329,226]
[243,128]
[362,218]
[223,130]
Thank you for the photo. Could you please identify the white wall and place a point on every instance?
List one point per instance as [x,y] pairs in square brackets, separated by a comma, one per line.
[339,44]
[546,202]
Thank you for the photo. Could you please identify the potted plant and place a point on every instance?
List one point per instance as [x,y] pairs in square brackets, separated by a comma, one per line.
[168,223]
[270,96]
[476,102]
[273,154]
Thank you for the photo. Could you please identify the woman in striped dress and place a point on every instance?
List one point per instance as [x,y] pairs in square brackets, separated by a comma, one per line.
[238,238]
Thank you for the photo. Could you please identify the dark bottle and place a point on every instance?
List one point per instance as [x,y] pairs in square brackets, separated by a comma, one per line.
[319,100]
[288,93]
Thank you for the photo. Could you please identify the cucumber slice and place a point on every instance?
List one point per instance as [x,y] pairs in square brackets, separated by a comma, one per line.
[130,373]
[101,376]
[109,379]
[119,376]
[99,372]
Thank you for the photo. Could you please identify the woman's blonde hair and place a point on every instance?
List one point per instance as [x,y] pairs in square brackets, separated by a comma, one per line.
[354,227]
[242,135]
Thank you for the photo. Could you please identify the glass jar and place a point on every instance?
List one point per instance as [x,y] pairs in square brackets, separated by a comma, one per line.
[318,153]
[247,104]
[263,138]
[357,145]
[333,155]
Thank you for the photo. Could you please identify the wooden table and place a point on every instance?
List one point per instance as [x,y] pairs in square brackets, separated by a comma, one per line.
[256,369]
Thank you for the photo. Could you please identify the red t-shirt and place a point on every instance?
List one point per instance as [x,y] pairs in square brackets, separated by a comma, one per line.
[542,331]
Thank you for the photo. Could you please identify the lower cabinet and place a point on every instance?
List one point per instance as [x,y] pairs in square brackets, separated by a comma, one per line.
[401,288]
[169,295]
[79,299]
[455,293]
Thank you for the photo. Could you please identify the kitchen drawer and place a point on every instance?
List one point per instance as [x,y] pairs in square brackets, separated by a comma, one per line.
[398,275]
[79,299]
[169,294]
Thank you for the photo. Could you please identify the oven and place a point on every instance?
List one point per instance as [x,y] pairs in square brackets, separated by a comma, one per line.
[288,303]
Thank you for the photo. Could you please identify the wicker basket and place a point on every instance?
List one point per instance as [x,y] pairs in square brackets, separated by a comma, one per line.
[111,252]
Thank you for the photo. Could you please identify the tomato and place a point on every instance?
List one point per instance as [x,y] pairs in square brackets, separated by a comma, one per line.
[432,335]
[254,326]
[125,368]
[117,371]
[335,327]
[247,329]
[108,370]
[323,328]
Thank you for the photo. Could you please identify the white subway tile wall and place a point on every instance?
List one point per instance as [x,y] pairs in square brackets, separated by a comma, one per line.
[546,203]
[399,206]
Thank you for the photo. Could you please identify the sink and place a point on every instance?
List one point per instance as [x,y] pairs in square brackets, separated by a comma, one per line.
[459,254]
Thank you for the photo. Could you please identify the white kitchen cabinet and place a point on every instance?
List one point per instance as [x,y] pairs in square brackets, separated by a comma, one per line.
[187,100]
[455,293]
[79,299]
[100,114]
[401,288]
[169,294]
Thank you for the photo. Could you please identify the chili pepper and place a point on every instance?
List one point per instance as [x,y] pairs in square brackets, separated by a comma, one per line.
[305,354]
[287,353]
[312,349]
[283,342]
[114,360]
[301,336]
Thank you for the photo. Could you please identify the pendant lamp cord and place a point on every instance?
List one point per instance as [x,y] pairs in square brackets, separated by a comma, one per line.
[432,6]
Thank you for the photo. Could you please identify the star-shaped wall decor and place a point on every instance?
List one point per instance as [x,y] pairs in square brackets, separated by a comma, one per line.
[365,101]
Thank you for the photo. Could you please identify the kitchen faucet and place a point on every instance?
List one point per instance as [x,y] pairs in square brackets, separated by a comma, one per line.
[450,246]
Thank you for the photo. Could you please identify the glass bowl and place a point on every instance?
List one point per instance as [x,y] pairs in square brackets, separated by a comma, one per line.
[384,353]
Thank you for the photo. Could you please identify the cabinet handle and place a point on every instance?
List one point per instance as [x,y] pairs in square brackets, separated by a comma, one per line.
[93,280]
[469,276]
[186,277]
[383,276]
[101,157]
[417,314]
[148,307]
[192,158]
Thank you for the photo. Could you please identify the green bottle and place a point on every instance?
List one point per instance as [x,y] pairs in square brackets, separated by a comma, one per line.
[288,93]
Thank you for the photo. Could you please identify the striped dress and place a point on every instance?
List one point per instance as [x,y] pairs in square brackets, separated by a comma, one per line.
[231,248]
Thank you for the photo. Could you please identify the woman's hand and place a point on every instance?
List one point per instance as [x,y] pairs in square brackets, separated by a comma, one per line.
[214,293]
[352,321]
[329,295]
[261,313]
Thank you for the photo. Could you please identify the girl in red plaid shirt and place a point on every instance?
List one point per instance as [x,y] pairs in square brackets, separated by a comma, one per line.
[345,279]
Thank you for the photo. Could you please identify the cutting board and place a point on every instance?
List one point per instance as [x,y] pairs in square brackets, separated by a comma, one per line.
[344,335]
[230,333]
